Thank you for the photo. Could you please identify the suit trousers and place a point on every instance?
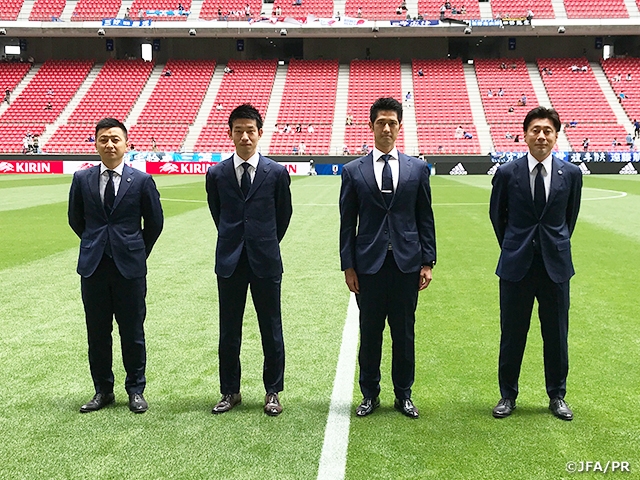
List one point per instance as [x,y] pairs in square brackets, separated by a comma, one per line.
[265,293]
[106,294]
[393,295]
[516,306]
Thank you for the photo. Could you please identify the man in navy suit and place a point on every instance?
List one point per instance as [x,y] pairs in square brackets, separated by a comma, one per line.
[250,203]
[116,212]
[387,251]
[534,208]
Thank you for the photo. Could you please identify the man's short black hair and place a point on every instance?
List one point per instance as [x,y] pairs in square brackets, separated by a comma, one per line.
[245,111]
[385,103]
[111,123]
[542,112]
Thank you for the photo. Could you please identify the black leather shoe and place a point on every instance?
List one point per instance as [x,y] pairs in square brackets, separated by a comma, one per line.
[406,407]
[367,406]
[137,403]
[99,400]
[504,408]
[560,409]
[272,406]
[227,402]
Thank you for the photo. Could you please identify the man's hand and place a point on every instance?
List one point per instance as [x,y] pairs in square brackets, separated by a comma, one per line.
[425,278]
[351,279]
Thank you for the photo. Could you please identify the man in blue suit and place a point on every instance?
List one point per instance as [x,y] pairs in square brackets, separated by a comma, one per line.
[250,203]
[387,251]
[534,208]
[116,212]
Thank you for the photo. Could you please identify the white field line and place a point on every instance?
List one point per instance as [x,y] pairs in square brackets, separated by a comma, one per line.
[333,459]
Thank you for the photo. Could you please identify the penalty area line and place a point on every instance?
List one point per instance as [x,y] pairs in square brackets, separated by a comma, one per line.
[333,459]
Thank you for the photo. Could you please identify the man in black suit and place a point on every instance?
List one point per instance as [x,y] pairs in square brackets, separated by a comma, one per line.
[108,204]
[250,203]
[534,208]
[387,251]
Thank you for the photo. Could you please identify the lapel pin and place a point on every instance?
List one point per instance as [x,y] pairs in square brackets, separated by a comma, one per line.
[128,179]
[559,172]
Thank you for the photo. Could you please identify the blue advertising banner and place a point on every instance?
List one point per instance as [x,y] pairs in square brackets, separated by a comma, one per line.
[413,23]
[575,157]
[121,22]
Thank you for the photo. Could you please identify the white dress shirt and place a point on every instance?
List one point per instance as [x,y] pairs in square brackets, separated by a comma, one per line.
[546,174]
[253,164]
[378,165]
[104,178]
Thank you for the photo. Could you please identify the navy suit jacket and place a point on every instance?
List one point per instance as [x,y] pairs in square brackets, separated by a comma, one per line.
[517,225]
[131,243]
[368,226]
[257,223]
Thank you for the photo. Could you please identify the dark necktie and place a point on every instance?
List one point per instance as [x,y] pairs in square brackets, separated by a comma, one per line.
[245,181]
[387,180]
[539,197]
[109,193]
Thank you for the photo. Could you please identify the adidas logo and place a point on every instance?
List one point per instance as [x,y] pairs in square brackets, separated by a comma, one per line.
[584,169]
[458,170]
[492,170]
[628,169]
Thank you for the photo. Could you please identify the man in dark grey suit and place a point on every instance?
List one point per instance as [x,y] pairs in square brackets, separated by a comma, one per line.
[534,208]
[108,204]
[250,202]
[387,251]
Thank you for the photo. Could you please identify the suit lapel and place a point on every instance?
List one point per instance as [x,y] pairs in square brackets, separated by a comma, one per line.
[229,173]
[93,178]
[264,166]
[404,174]
[557,180]
[366,170]
[524,182]
[126,180]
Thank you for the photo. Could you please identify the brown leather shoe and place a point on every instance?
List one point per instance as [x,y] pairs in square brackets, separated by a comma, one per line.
[99,401]
[272,406]
[227,402]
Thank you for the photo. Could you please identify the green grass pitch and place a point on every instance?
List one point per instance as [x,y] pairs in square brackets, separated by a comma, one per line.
[44,375]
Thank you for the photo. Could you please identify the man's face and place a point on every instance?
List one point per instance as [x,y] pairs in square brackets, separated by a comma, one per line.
[111,144]
[385,130]
[245,135]
[541,137]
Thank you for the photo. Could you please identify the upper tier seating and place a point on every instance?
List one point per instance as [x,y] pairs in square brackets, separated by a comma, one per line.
[215,138]
[631,88]
[318,8]
[596,9]
[209,10]
[576,95]
[146,5]
[11,136]
[251,82]
[373,9]
[519,8]
[177,98]
[95,10]
[430,9]
[9,9]
[56,82]
[47,10]
[113,92]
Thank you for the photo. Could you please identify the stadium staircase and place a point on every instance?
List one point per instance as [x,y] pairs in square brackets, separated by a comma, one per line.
[340,112]
[544,100]
[266,9]
[477,111]
[609,94]
[25,11]
[412,8]
[558,8]
[68,10]
[338,7]
[205,108]
[145,94]
[273,108]
[409,124]
[123,9]
[632,8]
[20,86]
[485,10]
[196,8]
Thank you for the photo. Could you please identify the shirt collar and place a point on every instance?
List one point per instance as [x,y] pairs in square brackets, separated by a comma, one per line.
[253,161]
[118,169]
[533,162]
[377,154]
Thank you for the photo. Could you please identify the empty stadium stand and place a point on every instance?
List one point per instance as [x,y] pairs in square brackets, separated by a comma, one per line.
[596,9]
[519,8]
[430,9]
[9,9]
[631,88]
[11,136]
[601,137]
[169,138]
[355,136]
[71,138]
[11,74]
[214,138]
[95,10]
[209,10]
[318,8]
[47,10]
[373,9]
[151,5]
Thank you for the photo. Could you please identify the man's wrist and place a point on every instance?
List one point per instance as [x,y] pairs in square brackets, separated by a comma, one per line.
[429,264]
